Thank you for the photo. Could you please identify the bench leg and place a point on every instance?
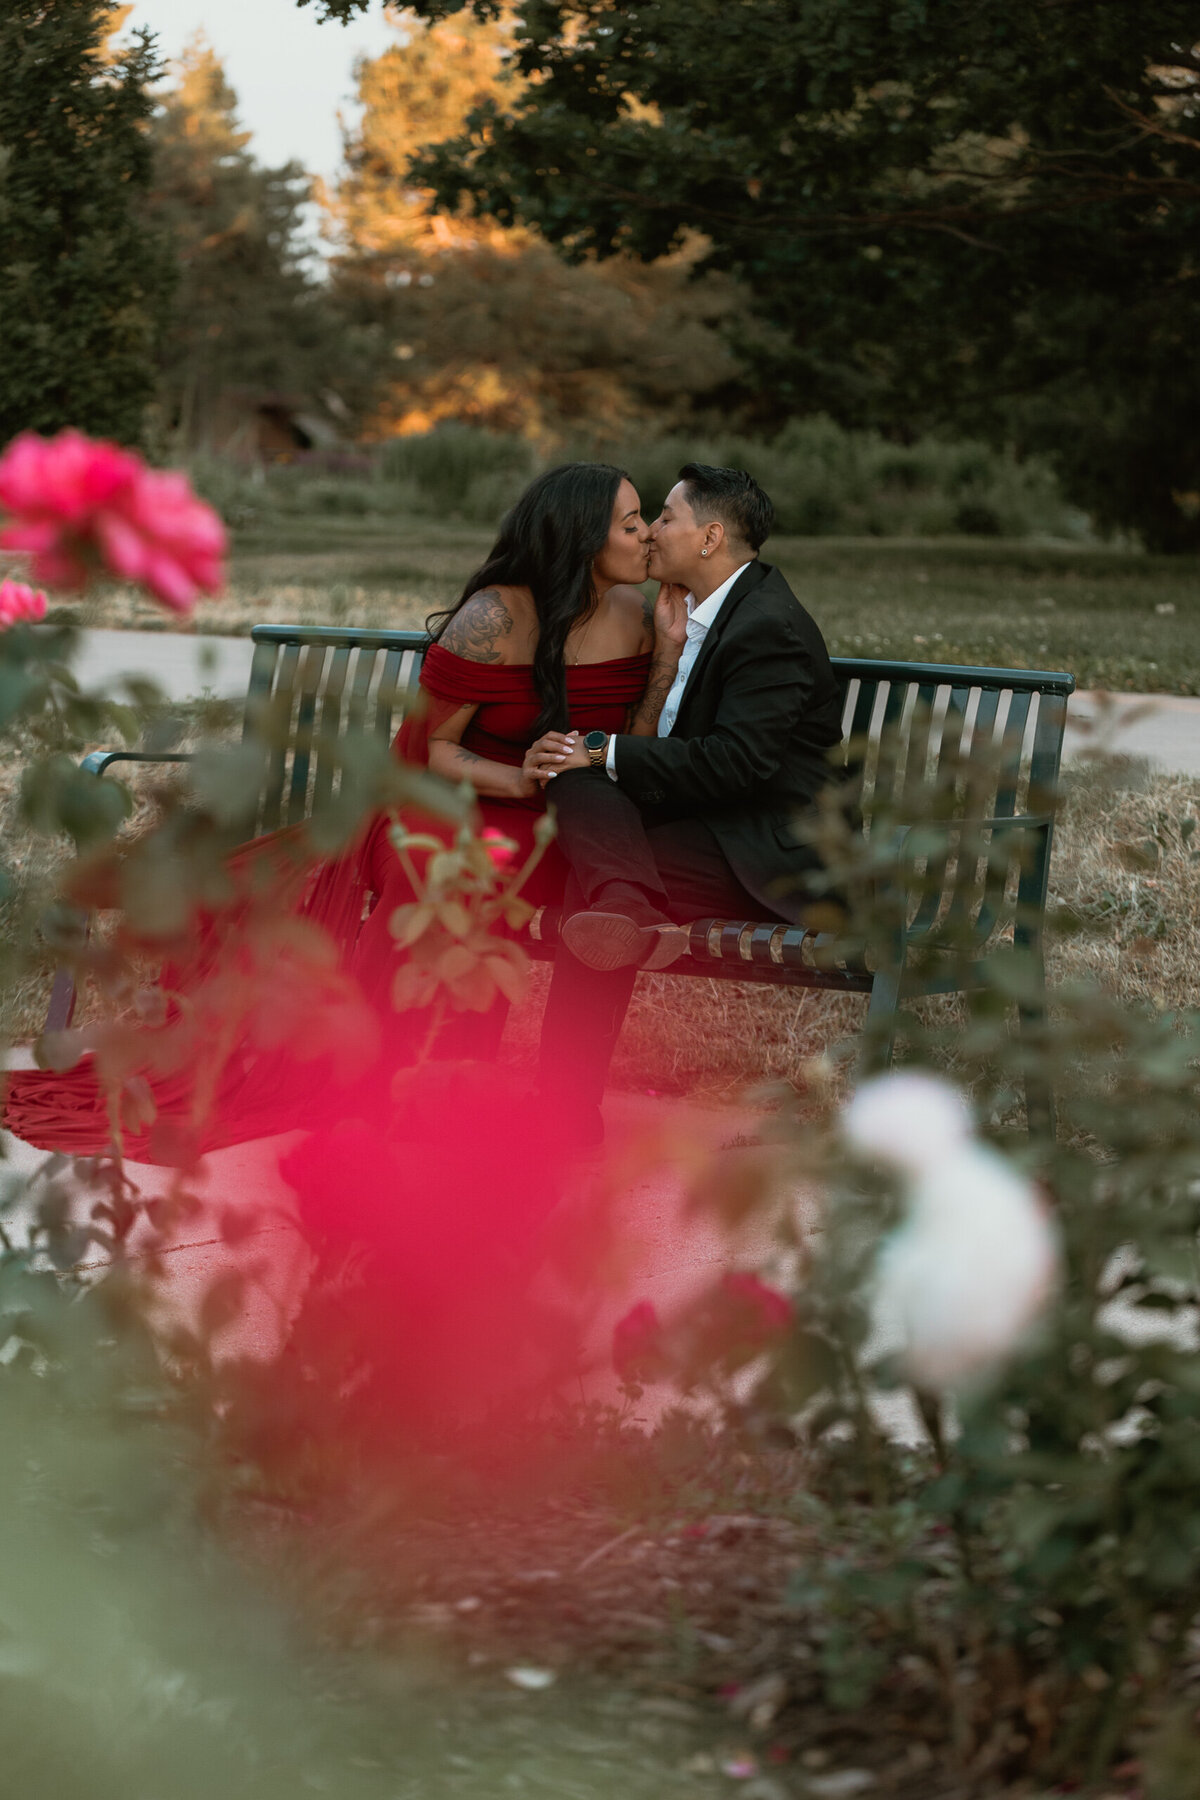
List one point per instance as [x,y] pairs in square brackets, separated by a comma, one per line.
[63,995]
[61,1009]
[883,1017]
[1031,1022]
[1039,1095]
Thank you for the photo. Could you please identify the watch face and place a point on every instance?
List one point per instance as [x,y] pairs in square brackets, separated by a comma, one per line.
[595,740]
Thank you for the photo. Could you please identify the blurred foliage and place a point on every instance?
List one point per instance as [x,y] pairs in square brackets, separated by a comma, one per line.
[1026,1557]
[824,481]
[956,217]
[85,281]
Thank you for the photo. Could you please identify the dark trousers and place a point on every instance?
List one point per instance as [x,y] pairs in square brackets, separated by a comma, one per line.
[615,853]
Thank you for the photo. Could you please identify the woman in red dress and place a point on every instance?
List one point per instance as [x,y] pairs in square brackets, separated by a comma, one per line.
[551,635]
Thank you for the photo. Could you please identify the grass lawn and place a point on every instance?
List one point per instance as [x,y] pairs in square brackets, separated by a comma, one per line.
[1118,620]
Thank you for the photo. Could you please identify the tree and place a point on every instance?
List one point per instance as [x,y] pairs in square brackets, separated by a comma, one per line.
[958,215]
[84,285]
[482,320]
[249,313]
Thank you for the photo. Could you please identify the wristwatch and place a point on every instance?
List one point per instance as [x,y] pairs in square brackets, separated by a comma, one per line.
[596,745]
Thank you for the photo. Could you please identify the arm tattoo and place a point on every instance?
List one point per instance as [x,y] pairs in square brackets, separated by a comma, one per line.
[467,756]
[476,626]
[658,685]
[648,615]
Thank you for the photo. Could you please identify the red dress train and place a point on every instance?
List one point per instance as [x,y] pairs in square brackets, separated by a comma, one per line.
[263,1085]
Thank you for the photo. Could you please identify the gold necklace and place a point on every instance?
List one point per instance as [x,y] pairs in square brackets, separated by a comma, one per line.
[574,663]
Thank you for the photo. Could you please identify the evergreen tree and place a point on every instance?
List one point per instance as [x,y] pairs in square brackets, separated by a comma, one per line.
[84,284]
[250,315]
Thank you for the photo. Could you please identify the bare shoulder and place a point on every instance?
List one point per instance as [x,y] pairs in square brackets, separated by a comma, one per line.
[485,625]
[636,614]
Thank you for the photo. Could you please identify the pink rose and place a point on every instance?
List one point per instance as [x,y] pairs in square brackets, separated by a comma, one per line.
[637,1343]
[20,603]
[763,1311]
[501,849]
[72,500]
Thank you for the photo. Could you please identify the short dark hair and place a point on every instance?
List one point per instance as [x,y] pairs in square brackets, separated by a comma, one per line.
[732,497]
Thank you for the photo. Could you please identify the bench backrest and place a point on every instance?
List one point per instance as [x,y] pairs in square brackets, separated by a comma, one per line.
[315,683]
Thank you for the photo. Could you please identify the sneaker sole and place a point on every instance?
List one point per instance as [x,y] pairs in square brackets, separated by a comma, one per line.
[603,940]
[667,944]
[607,941]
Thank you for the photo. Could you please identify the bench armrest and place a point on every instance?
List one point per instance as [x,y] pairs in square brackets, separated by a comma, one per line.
[61,1009]
[96,762]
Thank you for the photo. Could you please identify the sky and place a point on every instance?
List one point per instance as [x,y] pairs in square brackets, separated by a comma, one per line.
[291,74]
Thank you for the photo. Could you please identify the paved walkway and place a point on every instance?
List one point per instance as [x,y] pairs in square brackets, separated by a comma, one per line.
[1162,727]
[667,1252]
[182,663]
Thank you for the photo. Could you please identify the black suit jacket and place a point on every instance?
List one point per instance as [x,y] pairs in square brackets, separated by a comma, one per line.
[748,750]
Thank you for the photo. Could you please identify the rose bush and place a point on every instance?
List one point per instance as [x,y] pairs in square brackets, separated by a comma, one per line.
[999,1473]
[20,604]
[76,505]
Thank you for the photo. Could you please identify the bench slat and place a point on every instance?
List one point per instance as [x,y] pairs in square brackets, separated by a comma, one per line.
[385,697]
[364,668]
[312,665]
[331,718]
[277,714]
[262,671]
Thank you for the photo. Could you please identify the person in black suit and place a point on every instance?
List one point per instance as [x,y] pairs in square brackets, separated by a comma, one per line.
[698,817]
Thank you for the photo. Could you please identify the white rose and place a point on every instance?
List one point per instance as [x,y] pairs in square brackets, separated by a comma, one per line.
[966,1275]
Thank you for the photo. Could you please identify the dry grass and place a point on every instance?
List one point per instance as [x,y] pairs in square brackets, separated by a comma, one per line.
[1126,875]
[32,861]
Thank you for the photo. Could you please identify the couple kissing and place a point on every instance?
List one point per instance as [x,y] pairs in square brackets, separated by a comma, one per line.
[677,739]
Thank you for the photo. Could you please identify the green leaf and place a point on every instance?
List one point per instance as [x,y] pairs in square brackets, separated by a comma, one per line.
[511,980]
[454,916]
[408,923]
[125,720]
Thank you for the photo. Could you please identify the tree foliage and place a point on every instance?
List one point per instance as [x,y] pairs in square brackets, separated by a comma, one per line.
[959,216]
[249,313]
[479,318]
[83,283]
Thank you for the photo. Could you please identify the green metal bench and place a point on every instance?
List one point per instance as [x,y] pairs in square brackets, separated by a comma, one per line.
[903,721]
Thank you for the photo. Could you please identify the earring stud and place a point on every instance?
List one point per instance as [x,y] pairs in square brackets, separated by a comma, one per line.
[704,553]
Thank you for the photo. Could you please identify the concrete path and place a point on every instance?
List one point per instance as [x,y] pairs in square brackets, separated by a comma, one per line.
[182,663]
[1165,728]
[657,1247]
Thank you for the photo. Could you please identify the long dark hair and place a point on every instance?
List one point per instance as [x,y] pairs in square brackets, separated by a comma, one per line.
[548,543]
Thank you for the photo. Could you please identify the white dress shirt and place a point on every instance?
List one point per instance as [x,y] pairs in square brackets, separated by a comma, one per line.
[700,619]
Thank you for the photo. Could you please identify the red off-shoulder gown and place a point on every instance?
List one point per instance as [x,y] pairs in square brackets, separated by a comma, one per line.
[262,1092]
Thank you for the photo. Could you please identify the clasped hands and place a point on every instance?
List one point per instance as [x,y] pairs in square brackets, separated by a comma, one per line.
[553,752]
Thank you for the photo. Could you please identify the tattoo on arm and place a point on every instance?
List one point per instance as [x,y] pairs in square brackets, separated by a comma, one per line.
[467,756]
[477,627]
[659,684]
[648,615]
